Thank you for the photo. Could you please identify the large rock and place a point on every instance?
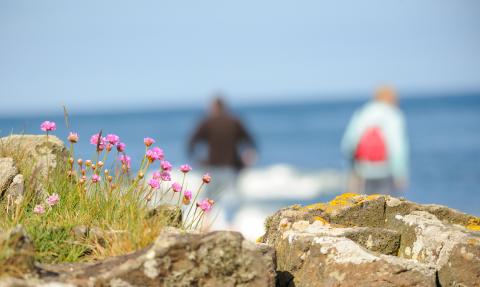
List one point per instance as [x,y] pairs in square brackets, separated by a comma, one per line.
[8,171]
[16,253]
[374,241]
[35,150]
[176,258]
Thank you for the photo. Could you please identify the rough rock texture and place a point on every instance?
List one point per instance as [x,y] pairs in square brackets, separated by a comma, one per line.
[175,259]
[36,149]
[171,214]
[8,171]
[16,252]
[358,240]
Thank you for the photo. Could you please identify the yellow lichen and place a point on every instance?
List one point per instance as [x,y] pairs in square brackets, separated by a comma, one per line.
[259,240]
[473,224]
[315,206]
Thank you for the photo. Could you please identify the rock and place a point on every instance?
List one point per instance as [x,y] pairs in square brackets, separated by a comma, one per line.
[176,258]
[171,214]
[16,189]
[390,240]
[35,149]
[8,171]
[337,261]
[16,253]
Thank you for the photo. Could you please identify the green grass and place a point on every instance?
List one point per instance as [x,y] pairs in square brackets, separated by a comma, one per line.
[120,212]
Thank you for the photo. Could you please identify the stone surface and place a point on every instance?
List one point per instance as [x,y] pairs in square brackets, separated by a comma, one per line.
[175,259]
[171,214]
[35,149]
[374,241]
[16,252]
[8,171]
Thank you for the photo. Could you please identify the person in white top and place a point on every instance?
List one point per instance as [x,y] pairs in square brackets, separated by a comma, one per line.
[376,146]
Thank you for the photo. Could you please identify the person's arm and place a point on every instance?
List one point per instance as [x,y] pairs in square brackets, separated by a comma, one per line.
[399,151]
[349,140]
[249,154]
[200,134]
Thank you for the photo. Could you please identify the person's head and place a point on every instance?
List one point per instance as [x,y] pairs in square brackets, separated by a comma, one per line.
[387,95]
[217,107]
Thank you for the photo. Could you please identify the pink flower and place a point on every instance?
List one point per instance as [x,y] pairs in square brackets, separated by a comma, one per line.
[148,141]
[205,204]
[98,141]
[121,147]
[113,139]
[154,183]
[185,168]
[157,175]
[39,209]
[187,196]
[165,176]
[47,126]
[73,137]
[53,199]
[125,160]
[206,178]
[154,153]
[96,178]
[176,187]
[166,165]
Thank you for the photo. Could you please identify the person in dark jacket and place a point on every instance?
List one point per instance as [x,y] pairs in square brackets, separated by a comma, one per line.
[230,148]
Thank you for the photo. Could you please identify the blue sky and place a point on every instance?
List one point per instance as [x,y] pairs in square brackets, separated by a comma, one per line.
[104,55]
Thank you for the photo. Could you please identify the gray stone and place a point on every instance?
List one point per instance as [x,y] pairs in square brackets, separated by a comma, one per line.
[8,171]
[176,258]
[424,242]
[35,151]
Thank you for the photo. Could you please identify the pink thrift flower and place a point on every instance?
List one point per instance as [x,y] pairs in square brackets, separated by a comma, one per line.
[73,137]
[47,126]
[165,176]
[148,141]
[96,178]
[53,199]
[125,160]
[166,165]
[39,209]
[185,168]
[187,196]
[157,175]
[154,183]
[121,147]
[205,205]
[206,178]
[113,139]
[98,141]
[154,154]
[176,187]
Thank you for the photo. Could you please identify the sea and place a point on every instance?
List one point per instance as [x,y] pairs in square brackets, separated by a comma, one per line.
[299,158]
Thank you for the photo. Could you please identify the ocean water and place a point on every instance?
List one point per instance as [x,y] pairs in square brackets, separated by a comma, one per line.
[301,141]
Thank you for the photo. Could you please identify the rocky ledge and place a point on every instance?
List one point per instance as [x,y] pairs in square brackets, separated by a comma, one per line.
[377,240]
[176,258]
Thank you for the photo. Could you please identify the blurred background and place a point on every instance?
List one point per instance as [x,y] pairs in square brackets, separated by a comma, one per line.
[294,73]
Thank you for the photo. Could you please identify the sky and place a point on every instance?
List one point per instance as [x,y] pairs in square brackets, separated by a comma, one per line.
[120,55]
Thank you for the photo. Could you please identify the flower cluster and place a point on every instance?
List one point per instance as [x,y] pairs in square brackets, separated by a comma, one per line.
[91,177]
[51,201]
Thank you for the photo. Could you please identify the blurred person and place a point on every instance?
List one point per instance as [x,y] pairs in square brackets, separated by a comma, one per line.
[230,148]
[376,145]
